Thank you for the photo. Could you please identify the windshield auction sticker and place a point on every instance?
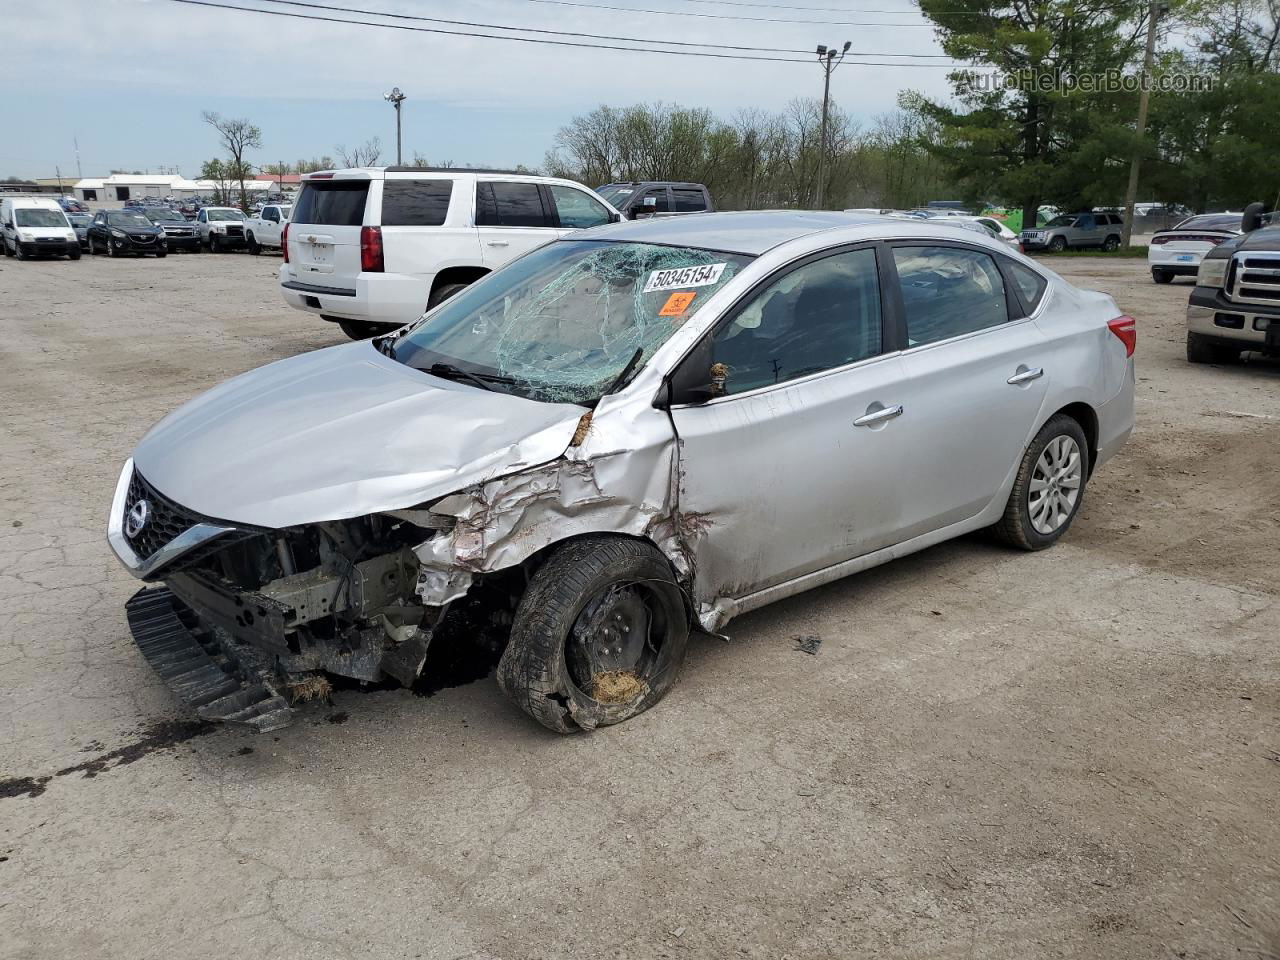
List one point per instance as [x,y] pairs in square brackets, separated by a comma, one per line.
[700,276]
[676,304]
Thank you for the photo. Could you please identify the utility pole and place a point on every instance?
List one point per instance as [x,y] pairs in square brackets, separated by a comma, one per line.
[829,60]
[1158,7]
[79,174]
[396,98]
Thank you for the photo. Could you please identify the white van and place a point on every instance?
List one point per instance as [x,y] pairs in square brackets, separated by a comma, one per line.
[31,226]
[371,248]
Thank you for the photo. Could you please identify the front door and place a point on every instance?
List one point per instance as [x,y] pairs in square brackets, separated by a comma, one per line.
[795,466]
[978,374]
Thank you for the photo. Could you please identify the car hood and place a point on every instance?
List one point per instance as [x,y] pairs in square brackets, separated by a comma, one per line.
[339,433]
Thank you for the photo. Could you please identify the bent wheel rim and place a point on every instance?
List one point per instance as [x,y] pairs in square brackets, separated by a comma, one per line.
[619,633]
[1055,485]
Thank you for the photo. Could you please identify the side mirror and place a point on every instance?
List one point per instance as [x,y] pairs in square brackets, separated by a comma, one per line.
[1253,216]
[615,218]
[697,380]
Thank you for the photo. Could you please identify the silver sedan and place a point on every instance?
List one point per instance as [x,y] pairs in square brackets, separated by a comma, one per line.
[626,435]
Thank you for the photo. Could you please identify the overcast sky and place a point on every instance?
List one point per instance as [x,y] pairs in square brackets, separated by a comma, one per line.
[129,78]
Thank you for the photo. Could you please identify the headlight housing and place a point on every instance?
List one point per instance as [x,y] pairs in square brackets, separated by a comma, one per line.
[25,237]
[118,234]
[1212,272]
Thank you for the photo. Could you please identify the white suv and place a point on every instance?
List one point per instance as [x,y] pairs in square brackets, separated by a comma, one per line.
[372,248]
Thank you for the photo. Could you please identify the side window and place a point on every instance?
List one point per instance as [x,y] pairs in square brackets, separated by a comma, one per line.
[1085,223]
[659,194]
[822,315]
[1029,283]
[270,213]
[577,210]
[500,204]
[415,203]
[203,217]
[687,200]
[948,291]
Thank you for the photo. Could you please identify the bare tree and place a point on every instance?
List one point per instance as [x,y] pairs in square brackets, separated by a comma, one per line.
[361,156]
[238,136]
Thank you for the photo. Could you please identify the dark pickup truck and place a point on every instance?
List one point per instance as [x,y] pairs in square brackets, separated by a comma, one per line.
[1235,306]
[657,198]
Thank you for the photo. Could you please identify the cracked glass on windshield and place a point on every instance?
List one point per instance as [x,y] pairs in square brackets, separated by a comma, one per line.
[564,322]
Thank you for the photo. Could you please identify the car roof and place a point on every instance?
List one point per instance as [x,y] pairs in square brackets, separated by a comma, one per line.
[749,232]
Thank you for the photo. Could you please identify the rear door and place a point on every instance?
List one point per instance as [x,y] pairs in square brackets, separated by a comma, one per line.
[689,200]
[324,238]
[576,209]
[426,225]
[978,373]
[512,218]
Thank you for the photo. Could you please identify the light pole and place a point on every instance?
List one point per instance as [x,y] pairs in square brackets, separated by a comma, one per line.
[829,60]
[395,97]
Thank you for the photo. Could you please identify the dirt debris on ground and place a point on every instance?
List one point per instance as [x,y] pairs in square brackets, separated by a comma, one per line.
[1064,765]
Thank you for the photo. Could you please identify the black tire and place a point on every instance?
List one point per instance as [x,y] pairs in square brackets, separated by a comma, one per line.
[359,330]
[1161,276]
[543,669]
[1058,244]
[162,253]
[443,292]
[111,250]
[214,246]
[1201,349]
[74,254]
[254,247]
[1111,243]
[5,243]
[1015,527]
[18,251]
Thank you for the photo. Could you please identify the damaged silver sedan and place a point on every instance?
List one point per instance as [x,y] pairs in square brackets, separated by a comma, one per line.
[623,436]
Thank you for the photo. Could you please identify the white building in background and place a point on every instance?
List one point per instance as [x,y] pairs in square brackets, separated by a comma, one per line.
[135,186]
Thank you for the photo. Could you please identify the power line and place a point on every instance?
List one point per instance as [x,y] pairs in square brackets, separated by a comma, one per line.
[727,16]
[572,33]
[540,40]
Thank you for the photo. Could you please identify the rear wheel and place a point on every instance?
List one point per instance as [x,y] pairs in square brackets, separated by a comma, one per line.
[5,243]
[1058,244]
[443,292]
[1201,349]
[1161,276]
[599,635]
[1049,487]
[1111,243]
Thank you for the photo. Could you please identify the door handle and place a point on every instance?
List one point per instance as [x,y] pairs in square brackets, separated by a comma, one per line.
[1026,376]
[878,416]
[499,243]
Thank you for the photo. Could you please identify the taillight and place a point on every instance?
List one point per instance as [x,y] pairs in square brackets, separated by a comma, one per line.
[1156,241]
[284,242]
[371,249]
[1127,330]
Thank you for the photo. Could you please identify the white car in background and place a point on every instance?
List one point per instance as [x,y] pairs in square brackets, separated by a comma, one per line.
[220,228]
[371,248]
[1178,252]
[266,227]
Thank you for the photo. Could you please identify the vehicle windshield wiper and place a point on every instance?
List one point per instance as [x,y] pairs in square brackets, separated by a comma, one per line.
[386,345]
[621,378]
[450,372]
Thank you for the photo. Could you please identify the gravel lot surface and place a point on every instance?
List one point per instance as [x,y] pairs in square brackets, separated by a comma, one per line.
[992,754]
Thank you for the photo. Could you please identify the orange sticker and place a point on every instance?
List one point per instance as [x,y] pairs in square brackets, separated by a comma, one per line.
[676,304]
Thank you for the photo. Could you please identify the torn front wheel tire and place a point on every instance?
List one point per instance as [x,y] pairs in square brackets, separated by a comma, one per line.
[599,635]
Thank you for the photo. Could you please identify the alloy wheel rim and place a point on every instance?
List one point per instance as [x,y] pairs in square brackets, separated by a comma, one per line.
[1055,485]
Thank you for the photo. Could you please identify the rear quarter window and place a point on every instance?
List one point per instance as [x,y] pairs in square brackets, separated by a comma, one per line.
[1031,286]
[332,203]
[415,203]
[688,201]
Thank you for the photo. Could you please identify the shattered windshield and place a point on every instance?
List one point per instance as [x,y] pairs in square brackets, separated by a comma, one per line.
[562,323]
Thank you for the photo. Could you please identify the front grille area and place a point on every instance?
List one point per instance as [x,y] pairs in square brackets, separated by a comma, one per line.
[235,230]
[1255,278]
[143,238]
[165,520]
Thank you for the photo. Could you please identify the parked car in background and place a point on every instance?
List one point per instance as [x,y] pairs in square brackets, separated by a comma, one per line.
[658,198]
[179,233]
[72,205]
[1235,306]
[1075,230]
[189,208]
[578,449]
[266,229]
[220,228]
[80,224]
[372,248]
[1178,252]
[35,226]
[119,233]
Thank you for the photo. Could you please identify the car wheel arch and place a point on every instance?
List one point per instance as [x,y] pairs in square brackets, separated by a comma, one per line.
[459,273]
[1083,414]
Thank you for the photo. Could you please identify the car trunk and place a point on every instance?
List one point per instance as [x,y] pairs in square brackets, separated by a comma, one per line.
[324,236]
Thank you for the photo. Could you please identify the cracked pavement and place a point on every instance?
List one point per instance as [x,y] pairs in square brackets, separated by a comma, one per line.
[992,754]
